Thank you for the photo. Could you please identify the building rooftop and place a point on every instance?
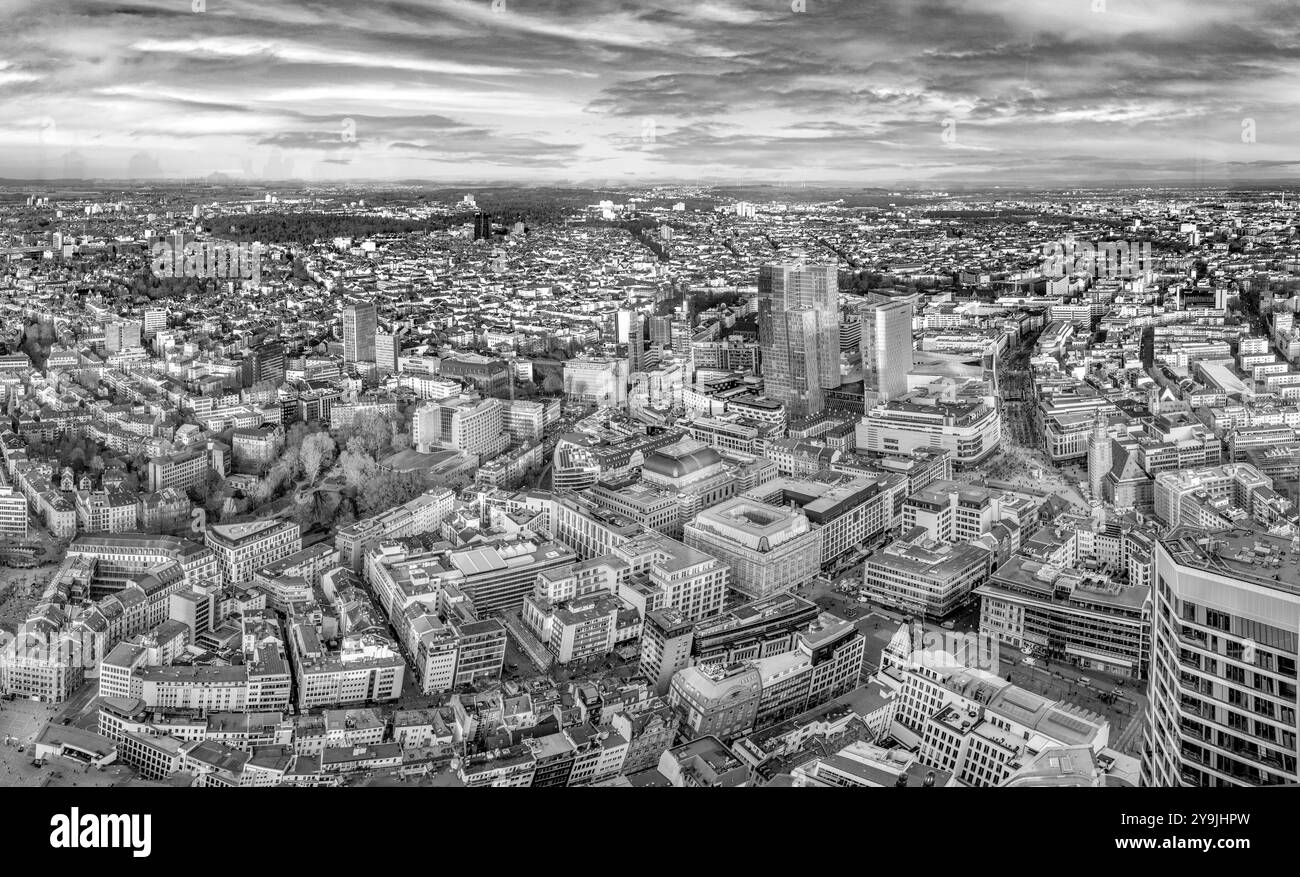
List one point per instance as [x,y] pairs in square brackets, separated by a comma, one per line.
[1271,559]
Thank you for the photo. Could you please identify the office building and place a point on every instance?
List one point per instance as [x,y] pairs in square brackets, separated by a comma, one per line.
[121,335]
[666,640]
[243,548]
[924,576]
[798,333]
[421,515]
[970,431]
[388,351]
[155,320]
[664,573]
[467,424]
[976,725]
[1084,617]
[1222,708]
[886,348]
[716,699]
[366,668]
[13,514]
[1218,497]
[598,382]
[360,320]
[846,511]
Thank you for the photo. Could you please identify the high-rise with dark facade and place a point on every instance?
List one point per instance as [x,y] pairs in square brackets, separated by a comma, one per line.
[482,226]
[798,333]
[265,363]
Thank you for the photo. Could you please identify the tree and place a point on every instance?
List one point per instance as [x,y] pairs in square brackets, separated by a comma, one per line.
[389,489]
[316,452]
[356,466]
[375,434]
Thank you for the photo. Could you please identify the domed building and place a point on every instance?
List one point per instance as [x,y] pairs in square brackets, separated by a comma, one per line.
[680,461]
[691,469]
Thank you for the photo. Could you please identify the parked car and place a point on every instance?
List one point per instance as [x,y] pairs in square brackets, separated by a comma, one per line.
[1084,680]
[1030,662]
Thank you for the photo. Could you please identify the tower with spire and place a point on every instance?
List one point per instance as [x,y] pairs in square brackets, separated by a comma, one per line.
[1099,458]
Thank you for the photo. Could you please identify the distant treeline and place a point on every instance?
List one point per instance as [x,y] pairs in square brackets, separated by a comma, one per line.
[540,207]
[309,227]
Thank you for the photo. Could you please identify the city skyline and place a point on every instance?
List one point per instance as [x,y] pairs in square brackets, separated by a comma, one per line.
[801,92]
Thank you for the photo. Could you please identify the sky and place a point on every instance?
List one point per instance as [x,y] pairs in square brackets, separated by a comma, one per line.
[907,92]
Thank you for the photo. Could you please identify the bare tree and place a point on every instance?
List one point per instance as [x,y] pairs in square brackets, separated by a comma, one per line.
[317,450]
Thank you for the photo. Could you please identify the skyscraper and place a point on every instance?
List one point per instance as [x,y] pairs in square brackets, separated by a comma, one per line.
[635,342]
[1225,611]
[798,332]
[264,363]
[359,322]
[388,346]
[482,226]
[155,319]
[886,345]
[661,331]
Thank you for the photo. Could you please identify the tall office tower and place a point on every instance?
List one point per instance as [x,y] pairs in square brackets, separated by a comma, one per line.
[1099,454]
[359,322]
[155,319]
[388,346]
[661,331]
[265,363]
[798,332]
[886,344]
[482,226]
[1225,611]
[635,342]
[682,334]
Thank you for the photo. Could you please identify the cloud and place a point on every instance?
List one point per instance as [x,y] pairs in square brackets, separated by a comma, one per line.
[848,90]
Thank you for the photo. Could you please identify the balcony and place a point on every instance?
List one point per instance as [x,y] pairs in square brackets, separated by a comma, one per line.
[1193,732]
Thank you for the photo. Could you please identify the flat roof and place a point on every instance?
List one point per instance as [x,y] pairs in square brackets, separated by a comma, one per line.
[1248,554]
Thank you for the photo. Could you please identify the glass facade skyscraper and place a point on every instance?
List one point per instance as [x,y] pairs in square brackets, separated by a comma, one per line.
[798,334]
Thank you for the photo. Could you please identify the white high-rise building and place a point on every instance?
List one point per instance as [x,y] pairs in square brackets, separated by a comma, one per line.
[886,345]
[155,320]
[359,322]
[388,346]
[1222,700]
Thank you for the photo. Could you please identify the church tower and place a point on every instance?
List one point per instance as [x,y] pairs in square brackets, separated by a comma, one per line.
[1099,458]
